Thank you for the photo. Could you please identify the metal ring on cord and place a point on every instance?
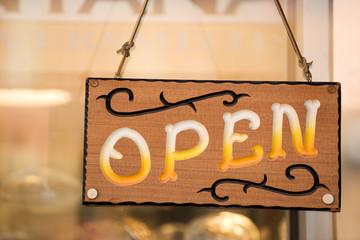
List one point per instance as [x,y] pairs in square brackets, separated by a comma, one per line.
[125,49]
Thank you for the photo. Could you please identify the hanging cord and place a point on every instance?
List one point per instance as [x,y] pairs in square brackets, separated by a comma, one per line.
[302,60]
[125,49]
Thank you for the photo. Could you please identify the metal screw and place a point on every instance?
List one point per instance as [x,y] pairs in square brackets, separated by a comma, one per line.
[332,89]
[328,198]
[94,83]
[92,193]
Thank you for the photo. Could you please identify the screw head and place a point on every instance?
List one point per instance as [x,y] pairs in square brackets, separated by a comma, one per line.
[328,198]
[94,83]
[92,193]
[332,89]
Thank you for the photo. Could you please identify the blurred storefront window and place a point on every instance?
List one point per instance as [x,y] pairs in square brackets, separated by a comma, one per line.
[49,47]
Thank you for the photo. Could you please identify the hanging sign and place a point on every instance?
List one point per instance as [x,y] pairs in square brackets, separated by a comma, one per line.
[212,143]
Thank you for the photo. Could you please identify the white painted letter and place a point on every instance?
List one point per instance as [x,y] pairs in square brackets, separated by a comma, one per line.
[306,150]
[230,137]
[108,151]
[171,154]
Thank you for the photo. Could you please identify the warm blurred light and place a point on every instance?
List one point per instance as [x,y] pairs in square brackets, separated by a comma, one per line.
[22,97]
[171,231]
[223,225]
[126,228]
[41,190]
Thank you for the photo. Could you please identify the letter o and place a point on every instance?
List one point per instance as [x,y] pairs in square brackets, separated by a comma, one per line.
[108,151]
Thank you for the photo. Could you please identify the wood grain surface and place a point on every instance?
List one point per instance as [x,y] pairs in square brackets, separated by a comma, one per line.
[157,103]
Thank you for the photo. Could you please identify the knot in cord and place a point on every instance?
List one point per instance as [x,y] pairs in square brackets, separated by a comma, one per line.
[125,49]
[306,68]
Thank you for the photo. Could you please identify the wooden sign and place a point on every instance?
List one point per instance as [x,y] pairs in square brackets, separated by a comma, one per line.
[211,143]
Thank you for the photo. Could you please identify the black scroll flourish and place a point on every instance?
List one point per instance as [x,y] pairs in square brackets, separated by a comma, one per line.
[262,185]
[166,104]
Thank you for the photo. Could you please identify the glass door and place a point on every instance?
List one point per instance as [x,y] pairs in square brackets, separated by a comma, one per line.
[48,48]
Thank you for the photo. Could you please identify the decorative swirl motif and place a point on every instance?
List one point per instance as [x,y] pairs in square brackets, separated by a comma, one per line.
[167,105]
[262,184]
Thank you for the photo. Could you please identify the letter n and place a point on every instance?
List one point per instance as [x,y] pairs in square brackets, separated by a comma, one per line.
[307,149]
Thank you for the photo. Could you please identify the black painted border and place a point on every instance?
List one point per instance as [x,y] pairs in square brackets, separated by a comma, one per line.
[216,81]
[339,142]
[206,205]
[85,138]
[170,204]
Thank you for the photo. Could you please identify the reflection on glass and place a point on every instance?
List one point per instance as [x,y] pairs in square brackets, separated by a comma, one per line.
[283,229]
[125,229]
[22,97]
[171,231]
[13,236]
[41,190]
[222,226]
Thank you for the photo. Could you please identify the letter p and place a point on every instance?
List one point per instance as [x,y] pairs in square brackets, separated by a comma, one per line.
[171,154]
